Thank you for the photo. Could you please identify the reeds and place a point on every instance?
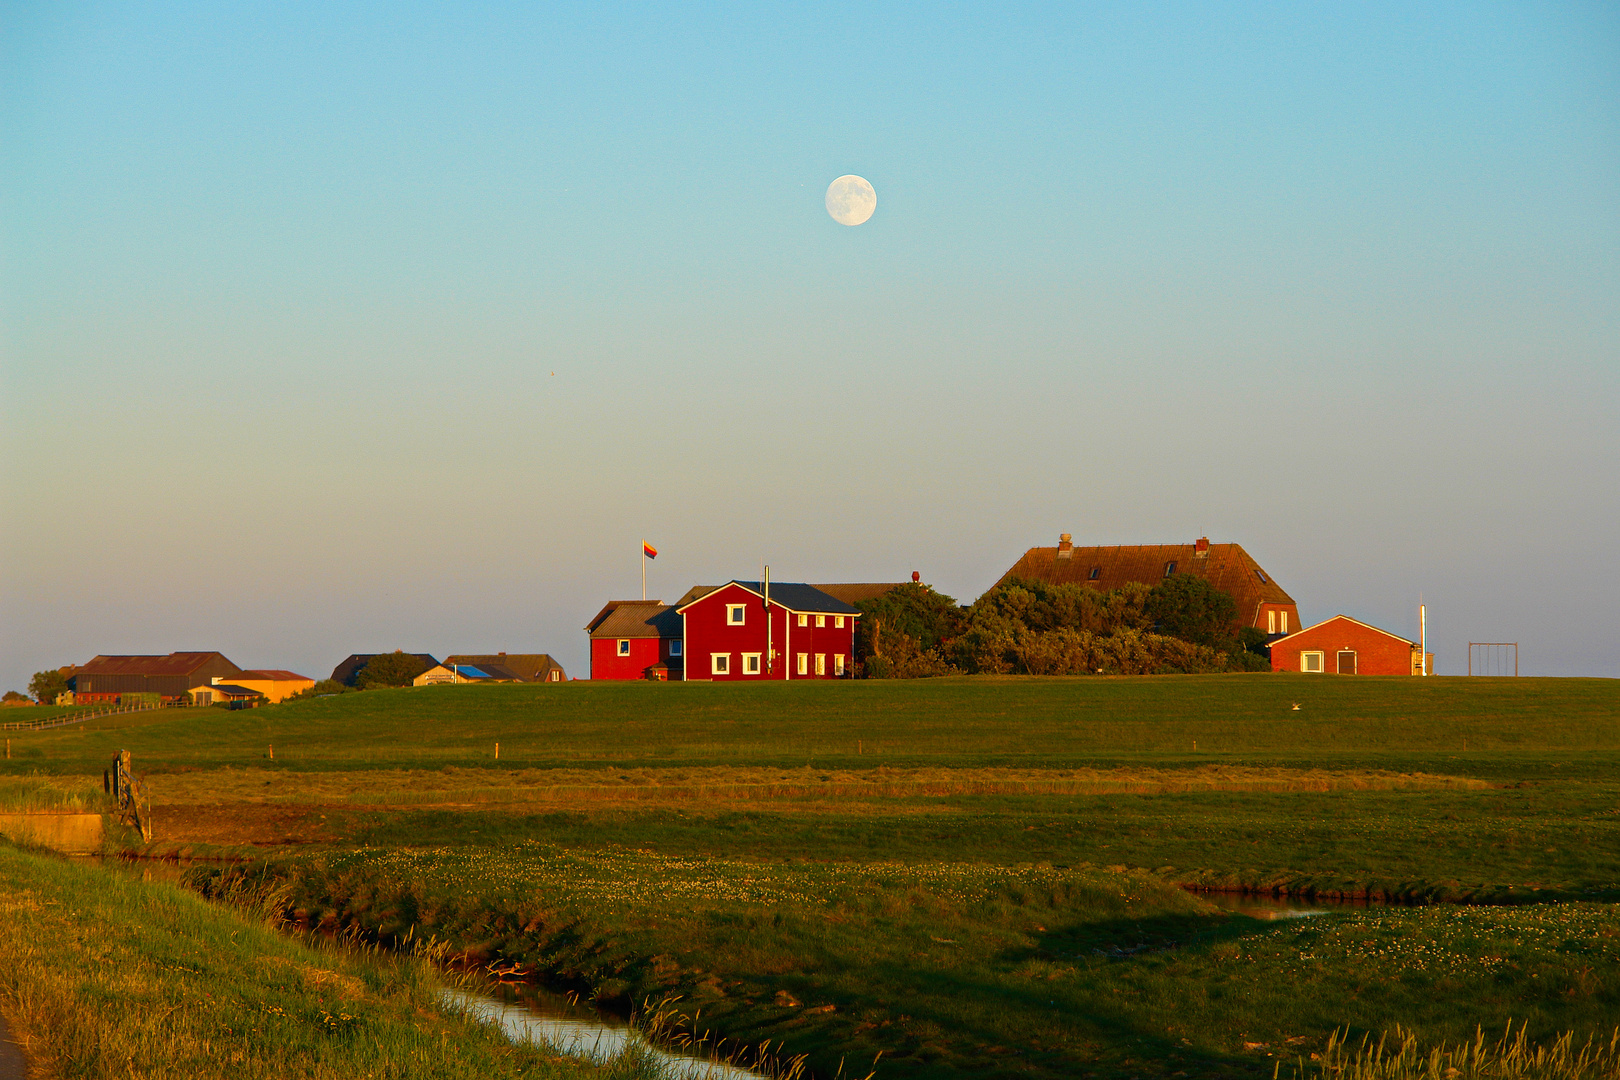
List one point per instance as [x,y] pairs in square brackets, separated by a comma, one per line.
[1398,1056]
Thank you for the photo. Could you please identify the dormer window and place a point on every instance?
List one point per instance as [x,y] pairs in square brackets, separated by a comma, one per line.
[1096,572]
[1169,568]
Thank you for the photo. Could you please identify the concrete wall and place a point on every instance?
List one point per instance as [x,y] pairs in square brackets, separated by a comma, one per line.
[75,834]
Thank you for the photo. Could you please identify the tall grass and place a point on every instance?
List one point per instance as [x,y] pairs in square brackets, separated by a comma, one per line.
[1512,1057]
[54,794]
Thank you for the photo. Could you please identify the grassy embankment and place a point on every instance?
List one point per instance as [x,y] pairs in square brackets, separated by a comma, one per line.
[103,974]
[945,863]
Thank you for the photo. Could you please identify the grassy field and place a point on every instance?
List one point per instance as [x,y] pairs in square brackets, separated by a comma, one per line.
[969,875]
[104,974]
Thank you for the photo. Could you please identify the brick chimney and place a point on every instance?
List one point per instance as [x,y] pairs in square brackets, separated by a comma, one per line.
[1201,548]
[1065,546]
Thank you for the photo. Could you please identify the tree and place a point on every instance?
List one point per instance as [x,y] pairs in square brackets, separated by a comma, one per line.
[397,668]
[45,685]
[1188,607]
[12,695]
[912,611]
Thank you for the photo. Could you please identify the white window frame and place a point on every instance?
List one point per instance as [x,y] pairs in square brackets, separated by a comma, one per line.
[674,646]
[838,664]
[751,664]
[736,614]
[1271,620]
[821,620]
[624,647]
[1282,620]
[556,676]
[720,663]
[1306,657]
[804,620]
[804,663]
[821,663]
[838,622]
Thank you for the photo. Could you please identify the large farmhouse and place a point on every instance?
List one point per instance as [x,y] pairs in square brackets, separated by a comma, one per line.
[731,633]
[170,677]
[1344,646]
[1261,602]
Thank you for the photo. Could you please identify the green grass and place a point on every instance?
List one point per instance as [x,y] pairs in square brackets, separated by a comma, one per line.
[959,721]
[966,869]
[952,969]
[104,974]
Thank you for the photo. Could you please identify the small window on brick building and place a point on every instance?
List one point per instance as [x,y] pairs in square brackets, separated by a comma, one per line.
[1169,568]
[1282,620]
[1271,621]
[1310,661]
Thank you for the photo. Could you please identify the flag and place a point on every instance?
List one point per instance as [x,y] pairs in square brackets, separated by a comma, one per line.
[648,550]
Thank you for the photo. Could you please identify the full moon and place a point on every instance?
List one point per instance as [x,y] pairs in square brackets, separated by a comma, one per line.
[850,200]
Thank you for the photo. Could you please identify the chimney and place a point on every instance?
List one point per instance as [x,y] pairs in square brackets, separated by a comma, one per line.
[1065,546]
[916,576]
[1201,548]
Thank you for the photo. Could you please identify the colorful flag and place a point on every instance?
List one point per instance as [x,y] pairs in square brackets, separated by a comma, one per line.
[648,550]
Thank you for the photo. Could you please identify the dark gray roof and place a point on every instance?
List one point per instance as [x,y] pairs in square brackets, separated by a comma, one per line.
[349,670]
[797,596]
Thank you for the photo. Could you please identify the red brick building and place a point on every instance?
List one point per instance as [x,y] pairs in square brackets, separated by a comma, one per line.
[730,634]
[1261,602]
[1344,646]
[636,639]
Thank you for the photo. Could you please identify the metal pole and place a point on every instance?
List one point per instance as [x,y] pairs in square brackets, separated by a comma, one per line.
[644,568]
[1423,640]
[770,654]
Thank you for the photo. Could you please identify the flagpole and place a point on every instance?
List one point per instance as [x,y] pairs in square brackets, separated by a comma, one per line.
[644,569]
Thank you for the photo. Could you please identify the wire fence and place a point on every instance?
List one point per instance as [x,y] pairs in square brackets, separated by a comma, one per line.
[93,713]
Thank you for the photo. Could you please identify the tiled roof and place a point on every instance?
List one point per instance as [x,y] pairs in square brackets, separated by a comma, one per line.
[796,596]
[179,663]
[1310,630]
[349,668]
[855,592]
[525,667]
[636,619]
[1227,567]
[274,675]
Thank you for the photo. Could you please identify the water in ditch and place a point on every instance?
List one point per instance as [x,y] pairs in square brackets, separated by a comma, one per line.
[530,1014]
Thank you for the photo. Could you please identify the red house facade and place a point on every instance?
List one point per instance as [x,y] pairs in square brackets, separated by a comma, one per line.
[731,635]
[636,639]
[1343,646]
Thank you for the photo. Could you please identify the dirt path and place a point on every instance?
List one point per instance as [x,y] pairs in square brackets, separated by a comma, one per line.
[13,1066]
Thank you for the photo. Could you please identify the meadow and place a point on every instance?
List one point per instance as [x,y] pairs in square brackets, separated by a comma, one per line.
[953,876]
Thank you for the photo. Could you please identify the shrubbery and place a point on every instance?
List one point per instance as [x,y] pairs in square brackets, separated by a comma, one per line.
[1182,625]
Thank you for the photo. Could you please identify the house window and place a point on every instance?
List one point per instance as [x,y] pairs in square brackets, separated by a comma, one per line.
[1096,572]
[205,697]
[1282,620]
[750,663]
[821,663]
[1261,576]
[1271,620]
[1169,568]
[838,622]
[804,620]
[675,647]
[1347,662]
[556,676]
[838,664]
[624,646]
[734,614]
[720,663]
[1310,661]
[804,663]
[821,620]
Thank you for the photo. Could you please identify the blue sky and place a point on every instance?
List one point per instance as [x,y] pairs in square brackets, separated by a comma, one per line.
[335,328]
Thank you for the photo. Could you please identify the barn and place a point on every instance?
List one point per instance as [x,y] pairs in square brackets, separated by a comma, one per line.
[171,677]
[1261,602]
[732,634]
[1345,646]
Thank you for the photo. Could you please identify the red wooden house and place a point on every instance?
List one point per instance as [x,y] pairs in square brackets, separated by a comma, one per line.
[1343,646]
[730,634]
[636,639]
